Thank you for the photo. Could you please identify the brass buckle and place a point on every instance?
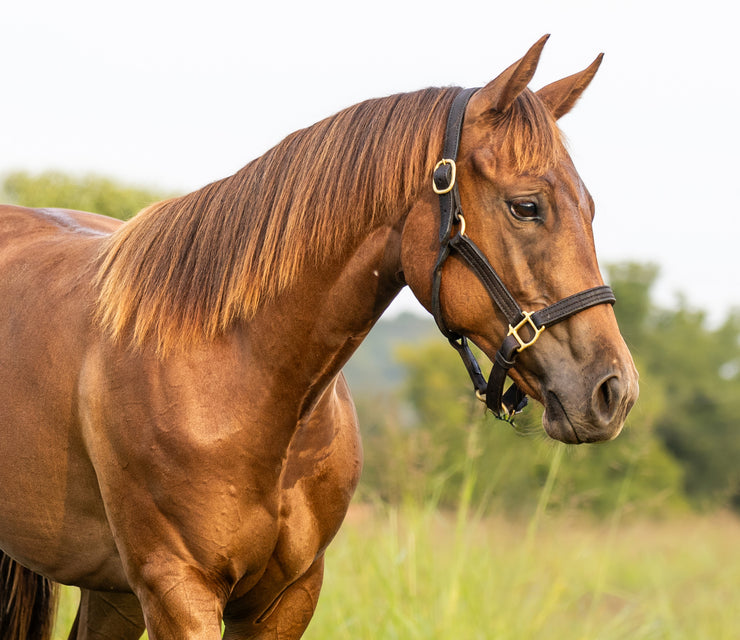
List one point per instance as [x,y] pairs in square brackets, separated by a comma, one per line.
[448,188]
[514,331]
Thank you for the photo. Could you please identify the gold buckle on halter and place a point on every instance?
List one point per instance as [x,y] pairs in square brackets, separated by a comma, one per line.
[449,187]
[514,331]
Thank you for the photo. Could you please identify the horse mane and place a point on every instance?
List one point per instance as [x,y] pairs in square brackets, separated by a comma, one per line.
[183,270]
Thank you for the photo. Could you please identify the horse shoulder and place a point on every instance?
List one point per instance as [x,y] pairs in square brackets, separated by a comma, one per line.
[320,475]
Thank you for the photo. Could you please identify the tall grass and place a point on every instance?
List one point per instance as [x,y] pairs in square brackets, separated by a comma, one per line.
[416,572]
[412,573]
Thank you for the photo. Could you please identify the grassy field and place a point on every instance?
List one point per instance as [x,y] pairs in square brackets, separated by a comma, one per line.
[415,573]
[422,575]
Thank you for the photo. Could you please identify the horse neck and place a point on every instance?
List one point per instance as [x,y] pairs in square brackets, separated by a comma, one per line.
[323,318]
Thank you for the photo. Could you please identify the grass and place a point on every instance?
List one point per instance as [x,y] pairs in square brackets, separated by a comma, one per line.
[417,573]
[413,573]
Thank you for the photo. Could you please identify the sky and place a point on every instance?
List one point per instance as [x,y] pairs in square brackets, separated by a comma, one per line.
[175,94]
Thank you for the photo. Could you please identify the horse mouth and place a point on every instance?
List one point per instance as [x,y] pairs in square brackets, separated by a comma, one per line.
[556,422]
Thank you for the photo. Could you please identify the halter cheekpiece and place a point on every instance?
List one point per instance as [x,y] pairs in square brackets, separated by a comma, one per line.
[525,327]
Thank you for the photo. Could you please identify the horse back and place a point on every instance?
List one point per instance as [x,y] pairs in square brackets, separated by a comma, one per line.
[47,265]
[15,222]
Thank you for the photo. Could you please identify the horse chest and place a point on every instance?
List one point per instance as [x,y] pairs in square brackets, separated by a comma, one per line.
[319,475]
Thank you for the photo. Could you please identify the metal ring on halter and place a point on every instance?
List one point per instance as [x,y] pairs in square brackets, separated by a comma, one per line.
[461,219]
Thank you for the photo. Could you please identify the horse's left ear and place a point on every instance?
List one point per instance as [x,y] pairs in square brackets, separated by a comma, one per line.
[500,93]
[560,96]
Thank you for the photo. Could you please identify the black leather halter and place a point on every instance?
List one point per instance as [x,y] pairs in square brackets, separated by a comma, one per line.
[503,405]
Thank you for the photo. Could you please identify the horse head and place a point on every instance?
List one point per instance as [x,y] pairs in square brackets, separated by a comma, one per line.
[519,205]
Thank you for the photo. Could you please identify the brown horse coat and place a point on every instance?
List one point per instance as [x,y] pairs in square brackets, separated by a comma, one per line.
[176,436]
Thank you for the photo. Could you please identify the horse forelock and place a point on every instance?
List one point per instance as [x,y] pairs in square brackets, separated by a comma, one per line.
[531,139]
[185,269]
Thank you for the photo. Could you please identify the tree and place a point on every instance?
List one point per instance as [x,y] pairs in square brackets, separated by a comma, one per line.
[699,370]
[681,440]
[434,444]
[88,193]
[632,283]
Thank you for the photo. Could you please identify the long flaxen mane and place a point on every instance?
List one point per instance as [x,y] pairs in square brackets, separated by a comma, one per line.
[185,269]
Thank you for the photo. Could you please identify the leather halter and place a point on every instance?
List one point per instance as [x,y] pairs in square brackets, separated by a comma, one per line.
[503,405]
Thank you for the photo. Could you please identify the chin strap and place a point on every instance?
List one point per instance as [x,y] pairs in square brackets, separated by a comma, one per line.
[525,327]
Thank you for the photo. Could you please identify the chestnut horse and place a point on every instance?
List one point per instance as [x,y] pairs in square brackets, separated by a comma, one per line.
[176,435]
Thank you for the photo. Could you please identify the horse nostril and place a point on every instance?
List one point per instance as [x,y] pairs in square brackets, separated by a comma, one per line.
[607,397]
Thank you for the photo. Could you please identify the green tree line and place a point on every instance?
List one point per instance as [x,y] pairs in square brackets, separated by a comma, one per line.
[427,439]
[94,193]
[679,449]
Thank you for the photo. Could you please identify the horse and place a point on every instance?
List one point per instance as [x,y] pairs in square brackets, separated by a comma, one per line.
[176,435]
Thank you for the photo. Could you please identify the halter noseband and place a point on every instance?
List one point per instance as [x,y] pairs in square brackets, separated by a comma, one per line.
[503,405]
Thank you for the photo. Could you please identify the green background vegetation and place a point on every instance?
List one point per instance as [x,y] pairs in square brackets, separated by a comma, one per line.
[464,527]
[680,447]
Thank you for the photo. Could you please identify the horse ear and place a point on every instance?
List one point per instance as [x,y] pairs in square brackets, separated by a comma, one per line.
[500,93]
[560,96]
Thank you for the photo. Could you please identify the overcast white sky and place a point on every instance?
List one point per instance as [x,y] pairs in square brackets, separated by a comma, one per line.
[175,94]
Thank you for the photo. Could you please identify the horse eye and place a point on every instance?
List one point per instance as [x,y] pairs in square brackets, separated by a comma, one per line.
[525,210]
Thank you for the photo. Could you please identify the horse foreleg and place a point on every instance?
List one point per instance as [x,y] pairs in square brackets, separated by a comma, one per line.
[178,603]
[288,618]
[109,616]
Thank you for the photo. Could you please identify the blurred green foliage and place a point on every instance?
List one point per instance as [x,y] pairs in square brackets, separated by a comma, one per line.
[698,369]
[679,449]
[92,193]
[424,453]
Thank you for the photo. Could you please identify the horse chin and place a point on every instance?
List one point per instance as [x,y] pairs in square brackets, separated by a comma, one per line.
[555,419]
[556,422]
[571,427]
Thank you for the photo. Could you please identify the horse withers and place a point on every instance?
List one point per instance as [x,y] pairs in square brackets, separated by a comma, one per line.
[176,436]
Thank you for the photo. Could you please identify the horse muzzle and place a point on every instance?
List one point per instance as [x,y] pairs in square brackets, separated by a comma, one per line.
[578,412]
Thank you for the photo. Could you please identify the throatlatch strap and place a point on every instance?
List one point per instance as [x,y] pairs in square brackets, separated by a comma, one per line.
[444,179]
[445,171]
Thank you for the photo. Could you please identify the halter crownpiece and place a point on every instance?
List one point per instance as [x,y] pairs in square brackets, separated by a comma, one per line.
[444,182]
